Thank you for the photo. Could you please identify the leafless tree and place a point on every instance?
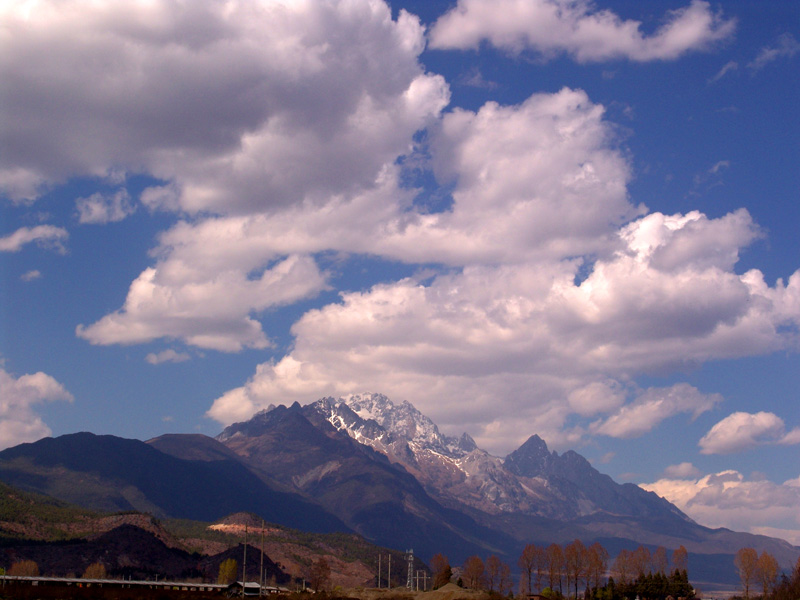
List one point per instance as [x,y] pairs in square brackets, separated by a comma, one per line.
[530,562]
[554,558]
[767,572]
[473,573]
[680,559]
[746,562]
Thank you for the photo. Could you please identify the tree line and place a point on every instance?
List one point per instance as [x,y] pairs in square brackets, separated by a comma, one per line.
[763,571]
[577,571]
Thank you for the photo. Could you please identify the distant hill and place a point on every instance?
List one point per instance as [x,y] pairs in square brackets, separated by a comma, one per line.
[64,539]
[114,474]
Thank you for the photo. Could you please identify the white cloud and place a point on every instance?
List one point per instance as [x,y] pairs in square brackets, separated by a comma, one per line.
[100,208]
[279,132]
[728,499]
[550,27]
[18,395]
[652,407]
[45,236]
[499,348]
[743,431]
[31,275]
[207,309]
[785,47]
[169,355]
[240,105]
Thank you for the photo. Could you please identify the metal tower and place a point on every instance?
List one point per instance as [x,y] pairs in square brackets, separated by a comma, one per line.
[410,559]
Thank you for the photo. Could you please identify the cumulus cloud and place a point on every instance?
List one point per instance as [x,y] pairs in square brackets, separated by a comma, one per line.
[169,355]
[499,347]
[729,499]
[241,105]
[742,431]
[18,396]
[551,27]
[45,236]
[279,132]
[209,309]
[785,47]
[100,208]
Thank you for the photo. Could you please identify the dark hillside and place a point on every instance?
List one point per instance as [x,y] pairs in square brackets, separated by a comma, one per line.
[112,474]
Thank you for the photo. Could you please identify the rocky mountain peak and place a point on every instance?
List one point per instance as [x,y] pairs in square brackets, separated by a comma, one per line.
[377,421]
[532,459]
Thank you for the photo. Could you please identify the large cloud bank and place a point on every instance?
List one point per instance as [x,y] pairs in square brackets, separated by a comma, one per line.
[729,499]
[286,131]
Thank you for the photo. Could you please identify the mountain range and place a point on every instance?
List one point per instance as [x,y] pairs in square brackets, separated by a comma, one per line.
[361,463]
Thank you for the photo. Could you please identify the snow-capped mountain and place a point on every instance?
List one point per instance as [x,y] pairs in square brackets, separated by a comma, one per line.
[532,480]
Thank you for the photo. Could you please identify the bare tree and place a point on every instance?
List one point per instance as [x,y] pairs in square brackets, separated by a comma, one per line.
[767,572]
[506,583]
[746,562]
[473,573]
[442,572]
[493,565]
[576,561]
[659,560]
[529,561]
[641,561]
[623,566]
[680,559]
[598,563]
[319,574]
[554,557]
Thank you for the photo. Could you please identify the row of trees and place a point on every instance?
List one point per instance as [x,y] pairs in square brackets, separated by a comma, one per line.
[29,568]
[574,569]
[574,565]
[754,569]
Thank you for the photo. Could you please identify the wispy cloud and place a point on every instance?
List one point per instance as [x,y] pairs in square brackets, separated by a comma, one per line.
[99,209]
[31,275]
[727,68]
[168,355]
[45,236]
[785,47]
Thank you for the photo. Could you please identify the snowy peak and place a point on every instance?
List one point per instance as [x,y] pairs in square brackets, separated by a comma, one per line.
[376,420]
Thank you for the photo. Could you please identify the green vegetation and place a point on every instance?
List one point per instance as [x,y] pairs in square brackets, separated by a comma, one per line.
[40,517]
[228,570]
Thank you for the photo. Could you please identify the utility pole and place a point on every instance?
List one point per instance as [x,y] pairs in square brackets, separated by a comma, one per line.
[261,575]
[379,571]
[389,583]
[244,562]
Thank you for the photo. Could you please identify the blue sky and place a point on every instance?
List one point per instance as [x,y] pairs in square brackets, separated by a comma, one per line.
[566,218]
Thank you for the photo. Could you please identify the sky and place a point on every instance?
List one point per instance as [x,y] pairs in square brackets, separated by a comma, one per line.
[557,217]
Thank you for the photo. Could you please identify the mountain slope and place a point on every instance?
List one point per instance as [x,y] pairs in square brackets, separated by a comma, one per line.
[531,480]
[376,498]
[110,473]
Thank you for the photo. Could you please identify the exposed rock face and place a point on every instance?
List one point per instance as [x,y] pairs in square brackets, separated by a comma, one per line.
[531,480]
